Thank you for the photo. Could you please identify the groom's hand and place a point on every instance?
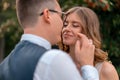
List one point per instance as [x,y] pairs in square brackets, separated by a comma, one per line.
[84,50]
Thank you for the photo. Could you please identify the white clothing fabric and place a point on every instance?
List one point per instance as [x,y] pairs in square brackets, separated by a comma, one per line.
[89,73]
[57,65]
[98,66]
[36,40]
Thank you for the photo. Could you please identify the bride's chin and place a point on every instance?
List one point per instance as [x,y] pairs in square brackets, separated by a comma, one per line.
[67,43]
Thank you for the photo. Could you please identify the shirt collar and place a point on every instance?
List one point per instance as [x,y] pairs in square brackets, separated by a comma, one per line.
[36,40]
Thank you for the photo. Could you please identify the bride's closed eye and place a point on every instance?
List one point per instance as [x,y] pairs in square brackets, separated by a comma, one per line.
[74,24]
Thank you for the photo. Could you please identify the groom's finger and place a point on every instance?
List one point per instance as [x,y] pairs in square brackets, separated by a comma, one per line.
[78,45]
[83,38]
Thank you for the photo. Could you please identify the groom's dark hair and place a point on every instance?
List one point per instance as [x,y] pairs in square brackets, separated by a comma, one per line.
[29,10]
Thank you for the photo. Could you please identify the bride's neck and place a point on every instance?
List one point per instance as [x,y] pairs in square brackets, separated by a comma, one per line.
[72,52]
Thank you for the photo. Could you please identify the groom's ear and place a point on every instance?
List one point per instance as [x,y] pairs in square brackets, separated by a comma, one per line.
[46,15]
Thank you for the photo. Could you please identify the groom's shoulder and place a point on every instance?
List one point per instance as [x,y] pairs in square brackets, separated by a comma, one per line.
[54,54]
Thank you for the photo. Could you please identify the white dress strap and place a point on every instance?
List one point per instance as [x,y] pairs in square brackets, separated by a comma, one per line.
[98,66]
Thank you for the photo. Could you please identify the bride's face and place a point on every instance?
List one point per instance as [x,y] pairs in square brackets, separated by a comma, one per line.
[72,26]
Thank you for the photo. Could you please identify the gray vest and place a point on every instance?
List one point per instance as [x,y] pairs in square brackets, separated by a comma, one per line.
[21,62]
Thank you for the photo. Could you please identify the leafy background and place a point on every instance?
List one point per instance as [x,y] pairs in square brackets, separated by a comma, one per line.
[108,12]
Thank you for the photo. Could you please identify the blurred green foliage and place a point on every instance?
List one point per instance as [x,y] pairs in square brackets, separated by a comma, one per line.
[9,27]
[108,12]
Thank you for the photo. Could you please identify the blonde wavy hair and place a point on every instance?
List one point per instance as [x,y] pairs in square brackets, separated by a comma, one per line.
[90,27]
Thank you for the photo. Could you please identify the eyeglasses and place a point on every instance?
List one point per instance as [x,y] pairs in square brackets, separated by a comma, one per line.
[61,13]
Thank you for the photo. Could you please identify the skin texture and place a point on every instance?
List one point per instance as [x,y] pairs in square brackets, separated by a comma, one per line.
[108,72]
[73,37]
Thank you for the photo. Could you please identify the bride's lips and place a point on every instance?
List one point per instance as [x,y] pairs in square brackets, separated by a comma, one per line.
[66,35]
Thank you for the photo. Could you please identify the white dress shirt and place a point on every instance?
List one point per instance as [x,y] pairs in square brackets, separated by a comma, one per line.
[57,65]
[36,40]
